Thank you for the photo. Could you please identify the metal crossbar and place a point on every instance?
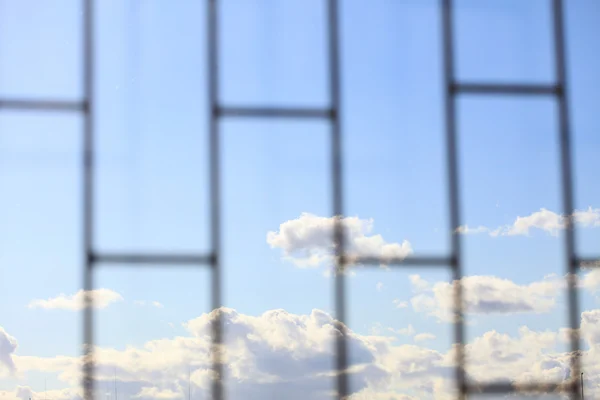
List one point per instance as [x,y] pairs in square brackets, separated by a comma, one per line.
[331,113]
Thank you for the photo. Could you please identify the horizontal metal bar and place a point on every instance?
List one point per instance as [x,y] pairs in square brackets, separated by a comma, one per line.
[267,112]
[406,262]
[153,259]
[43,105]
[506,89]
[508,388]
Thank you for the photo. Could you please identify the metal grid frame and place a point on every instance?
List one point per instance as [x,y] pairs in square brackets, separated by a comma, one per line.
[453,88]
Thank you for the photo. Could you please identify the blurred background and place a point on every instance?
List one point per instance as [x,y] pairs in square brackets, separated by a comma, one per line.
[151,124]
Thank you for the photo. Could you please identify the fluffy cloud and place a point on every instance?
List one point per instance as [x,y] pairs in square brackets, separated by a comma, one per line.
[283,355]
[485,295]
[8,345]
[102,299]
[26,393]
[544,220]
[400,304]
[307,241]
[420,337]
[155,393]
[494,295]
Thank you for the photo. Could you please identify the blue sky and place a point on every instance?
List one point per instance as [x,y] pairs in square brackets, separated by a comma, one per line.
[152,177]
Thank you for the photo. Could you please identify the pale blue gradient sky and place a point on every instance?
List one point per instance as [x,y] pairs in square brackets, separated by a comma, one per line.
[152,177]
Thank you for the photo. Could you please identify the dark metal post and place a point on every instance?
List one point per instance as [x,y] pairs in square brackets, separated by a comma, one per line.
[215,214]
[453,193]
[560,55]
[88,197]
[336,176]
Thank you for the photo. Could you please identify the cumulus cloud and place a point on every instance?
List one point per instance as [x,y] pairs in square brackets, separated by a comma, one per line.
[408,331]
[102,298]
[307,241]
[494,295]
[282,355]
[156,393]
[544,220]
[486,295]
[420,337]
[400,304]
[467,230]
[8,345]
[26,393]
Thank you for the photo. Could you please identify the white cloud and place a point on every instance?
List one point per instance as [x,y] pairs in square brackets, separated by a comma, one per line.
[400,304]
[379,286]
[466,230]
[408,331]
[102,299]
[419,284]
[283,355]
[494,295]
[307,241]
[157,304]
[544,220]
[420,337]
[26,393]
[8,345]
[149,392]
[487,295]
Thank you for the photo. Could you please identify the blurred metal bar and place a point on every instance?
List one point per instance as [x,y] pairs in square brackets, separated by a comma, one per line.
[153,259]
[269,112]
[526,388]
[560,55]
[453,192]
[504,89]
[217,390]
[43,105]
[341,345]
[88,197]
[422,261]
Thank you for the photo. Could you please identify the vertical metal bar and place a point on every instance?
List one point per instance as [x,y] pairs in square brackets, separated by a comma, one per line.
[567,188]
[336,176]
[215,201]
[453,193]
[88,197]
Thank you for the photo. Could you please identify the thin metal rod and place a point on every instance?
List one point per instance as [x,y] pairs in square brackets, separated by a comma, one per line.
[217,390]
[504,89]
[422,261]
[268,112]
[341,359]
[567,186]
[152,259]
[453,193]
[508,388]
[582,397]
[43,105]
[88,197]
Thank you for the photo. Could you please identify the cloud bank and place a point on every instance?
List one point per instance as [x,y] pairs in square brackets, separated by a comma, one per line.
[282,355]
